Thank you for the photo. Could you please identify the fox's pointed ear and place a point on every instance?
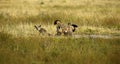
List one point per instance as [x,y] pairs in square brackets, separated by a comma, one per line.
[74,25]
[39,26]
[36,27]
[56,21]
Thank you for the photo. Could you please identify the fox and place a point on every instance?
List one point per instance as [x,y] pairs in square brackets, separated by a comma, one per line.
[63,29]
[41,30]
[70,29]
[58,27]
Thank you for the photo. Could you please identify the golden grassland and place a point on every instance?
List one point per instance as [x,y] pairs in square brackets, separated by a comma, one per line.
[63,50]
[92,16]
[21,43]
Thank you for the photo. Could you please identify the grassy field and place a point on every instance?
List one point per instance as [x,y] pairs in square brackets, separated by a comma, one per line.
[58,50]
[21,43]
[92,16]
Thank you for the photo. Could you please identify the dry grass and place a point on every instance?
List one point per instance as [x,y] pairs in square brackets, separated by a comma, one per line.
[102,15]
[21,43]
[42,50]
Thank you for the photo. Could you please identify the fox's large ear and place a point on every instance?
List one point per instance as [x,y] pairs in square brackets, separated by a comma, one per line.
[56,21]
[36,27]
[39,26]
[74,25]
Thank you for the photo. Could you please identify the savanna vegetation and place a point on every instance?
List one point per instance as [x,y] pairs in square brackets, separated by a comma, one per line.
[21,43]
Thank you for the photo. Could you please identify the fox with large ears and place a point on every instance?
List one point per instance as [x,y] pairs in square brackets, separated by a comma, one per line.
[41,30]
[62,29]
[69,29]
[58,27]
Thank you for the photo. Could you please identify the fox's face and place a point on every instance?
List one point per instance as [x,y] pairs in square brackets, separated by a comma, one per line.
[38,27]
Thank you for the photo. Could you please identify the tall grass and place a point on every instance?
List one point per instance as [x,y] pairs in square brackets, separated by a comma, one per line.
[42,50]
[24,26]
[21,43]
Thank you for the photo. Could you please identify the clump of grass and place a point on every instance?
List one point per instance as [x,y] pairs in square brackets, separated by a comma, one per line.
[111,22]
[42,3]
[4,36]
